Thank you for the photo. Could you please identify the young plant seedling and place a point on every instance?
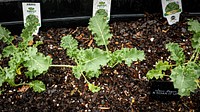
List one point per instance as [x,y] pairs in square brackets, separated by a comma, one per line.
[24,56]
[185,73]
[89,61]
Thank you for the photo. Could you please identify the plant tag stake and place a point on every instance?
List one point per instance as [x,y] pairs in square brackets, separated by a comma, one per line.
[34,9]
[172,10]
[102,7]
[163,91]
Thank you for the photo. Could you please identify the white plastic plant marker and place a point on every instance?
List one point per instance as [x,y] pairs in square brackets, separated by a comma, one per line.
[34,9]
[102,6]
[172,10]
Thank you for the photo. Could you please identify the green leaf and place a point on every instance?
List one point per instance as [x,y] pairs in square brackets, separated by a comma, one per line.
[93,59]
[183,79]
[10,76]
[31,51]
[177,53]
[158,71]
[154,73]
[77,71]
[194,26]
[5,35]
[100,28]
[9,51]
[38,62]
[30,27]
[91,74]
[38,86]
[160,65]
[131,55]
[116,58]
[37,43]
[69,43]
[127,55]
[11,82]
[16,60]
[32,74]
[9,73]
[2,76]
[90,62]
[193,70]
[93,88]
[196,40]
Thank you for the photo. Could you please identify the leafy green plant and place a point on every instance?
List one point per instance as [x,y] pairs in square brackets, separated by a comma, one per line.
[185,73]
[89,61]
[24,56]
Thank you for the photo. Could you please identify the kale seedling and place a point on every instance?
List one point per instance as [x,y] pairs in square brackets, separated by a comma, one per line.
[185,73]
[89,61]
[23,55]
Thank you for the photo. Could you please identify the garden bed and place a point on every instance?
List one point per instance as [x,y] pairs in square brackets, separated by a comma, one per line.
[123,88]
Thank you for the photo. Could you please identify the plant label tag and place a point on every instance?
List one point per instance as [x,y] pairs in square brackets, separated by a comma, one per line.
[172,10]
[163,91]
[102,7]
[32,9]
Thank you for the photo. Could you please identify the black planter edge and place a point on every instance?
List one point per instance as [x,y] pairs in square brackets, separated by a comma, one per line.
[78,18]
[81,18]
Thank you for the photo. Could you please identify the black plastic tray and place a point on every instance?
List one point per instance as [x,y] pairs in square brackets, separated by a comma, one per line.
[78,12]
[63,10]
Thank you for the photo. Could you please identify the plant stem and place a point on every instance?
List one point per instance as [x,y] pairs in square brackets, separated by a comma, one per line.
[85,78]
[197,55]
[70,66]
[197,81]
[193,55]
[114,65]
[21,84]
[107,49]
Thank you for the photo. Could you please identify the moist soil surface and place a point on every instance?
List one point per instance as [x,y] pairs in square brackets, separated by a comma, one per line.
[123,88]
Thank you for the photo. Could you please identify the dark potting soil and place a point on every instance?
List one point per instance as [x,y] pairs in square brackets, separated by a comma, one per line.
[123,88]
